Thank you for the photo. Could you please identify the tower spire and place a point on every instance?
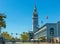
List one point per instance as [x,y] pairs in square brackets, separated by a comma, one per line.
[35,9]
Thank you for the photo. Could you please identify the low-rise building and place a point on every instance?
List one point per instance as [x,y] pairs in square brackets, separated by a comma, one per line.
[45,31]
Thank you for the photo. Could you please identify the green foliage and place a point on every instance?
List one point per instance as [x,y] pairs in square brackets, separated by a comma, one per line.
[6,35]
[2,21]
[24,36]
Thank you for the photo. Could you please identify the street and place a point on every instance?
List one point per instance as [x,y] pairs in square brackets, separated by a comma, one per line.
[28,43]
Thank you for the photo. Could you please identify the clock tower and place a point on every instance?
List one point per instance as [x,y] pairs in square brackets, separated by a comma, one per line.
[35,19]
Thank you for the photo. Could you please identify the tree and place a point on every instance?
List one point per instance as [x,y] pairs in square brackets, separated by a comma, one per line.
[2,21]
[6,36]
[16,39]
[24,36]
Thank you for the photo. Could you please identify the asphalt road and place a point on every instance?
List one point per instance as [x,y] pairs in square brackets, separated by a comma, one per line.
[28,43]
[18,43]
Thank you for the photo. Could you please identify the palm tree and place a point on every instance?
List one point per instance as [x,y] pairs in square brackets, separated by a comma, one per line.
[2,22]
[16,33]
[11,35]
[24,36]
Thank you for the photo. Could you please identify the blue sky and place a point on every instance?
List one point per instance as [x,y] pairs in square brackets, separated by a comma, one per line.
[19,13]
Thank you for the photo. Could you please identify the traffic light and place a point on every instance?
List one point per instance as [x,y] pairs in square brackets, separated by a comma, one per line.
[52,31]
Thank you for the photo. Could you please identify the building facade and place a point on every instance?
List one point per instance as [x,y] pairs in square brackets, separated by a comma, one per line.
[45,31]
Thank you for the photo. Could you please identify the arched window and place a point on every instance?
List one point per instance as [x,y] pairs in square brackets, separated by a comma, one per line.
[51,28]
[51,31]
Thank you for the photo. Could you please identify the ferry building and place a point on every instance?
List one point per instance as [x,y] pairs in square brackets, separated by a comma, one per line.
[45,30]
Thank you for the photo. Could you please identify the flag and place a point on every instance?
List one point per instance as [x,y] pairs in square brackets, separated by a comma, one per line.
[41,22]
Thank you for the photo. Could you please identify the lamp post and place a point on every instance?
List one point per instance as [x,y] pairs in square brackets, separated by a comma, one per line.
[51,39]
[38,33]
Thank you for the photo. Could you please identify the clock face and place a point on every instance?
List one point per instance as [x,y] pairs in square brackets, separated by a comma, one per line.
[35,15]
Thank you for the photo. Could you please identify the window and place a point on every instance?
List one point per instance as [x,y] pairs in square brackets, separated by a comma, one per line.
[51,31]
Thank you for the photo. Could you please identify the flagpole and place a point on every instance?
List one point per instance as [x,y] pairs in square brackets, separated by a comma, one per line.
[47,18]
[46,22]
[41,22]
